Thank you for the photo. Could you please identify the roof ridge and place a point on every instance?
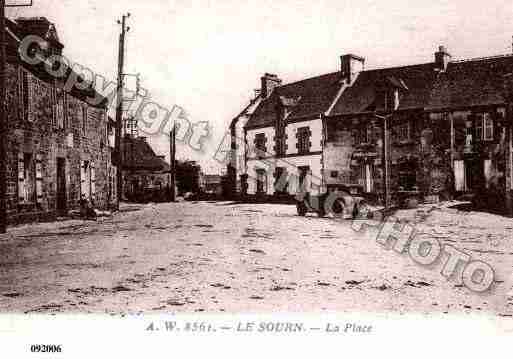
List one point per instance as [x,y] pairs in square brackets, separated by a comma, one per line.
[482,58]
[308,79]
[398,67]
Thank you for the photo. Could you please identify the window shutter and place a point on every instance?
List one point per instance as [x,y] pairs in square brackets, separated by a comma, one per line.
[93,180]
[30,112]
[21,177]
[82,179]
[39,179]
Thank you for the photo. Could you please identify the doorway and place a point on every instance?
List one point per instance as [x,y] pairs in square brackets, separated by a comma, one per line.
[61,186]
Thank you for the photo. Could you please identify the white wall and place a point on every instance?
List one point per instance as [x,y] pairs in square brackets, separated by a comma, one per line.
[316,139]
[250,141]
[291,164]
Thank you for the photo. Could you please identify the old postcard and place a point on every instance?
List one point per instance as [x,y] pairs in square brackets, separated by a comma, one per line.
[273,171]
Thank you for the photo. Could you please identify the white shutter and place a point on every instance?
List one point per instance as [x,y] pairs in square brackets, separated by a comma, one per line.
[93,180]
[39,179]
[83,188]
[487,172]
[459,175]
[21,177]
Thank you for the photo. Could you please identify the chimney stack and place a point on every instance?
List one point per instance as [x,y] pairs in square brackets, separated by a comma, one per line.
[442,58]
[269,83]
[350,67]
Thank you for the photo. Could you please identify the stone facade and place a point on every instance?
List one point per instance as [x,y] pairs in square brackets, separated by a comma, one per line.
[58,150]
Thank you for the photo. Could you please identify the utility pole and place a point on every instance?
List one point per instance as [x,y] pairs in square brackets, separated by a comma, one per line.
[385,139]
[119,110]
[3,123]
[172,140]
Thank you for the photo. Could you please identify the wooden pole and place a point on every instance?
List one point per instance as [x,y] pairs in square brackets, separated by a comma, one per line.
[119,113]
[3,123]
[172,140]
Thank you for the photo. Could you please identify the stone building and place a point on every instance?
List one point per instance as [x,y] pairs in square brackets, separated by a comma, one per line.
[449,131]
[146,175]
[58,150]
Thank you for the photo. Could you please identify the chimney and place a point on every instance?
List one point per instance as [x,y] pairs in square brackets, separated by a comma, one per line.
[442,58]
[350,66]
[269,83]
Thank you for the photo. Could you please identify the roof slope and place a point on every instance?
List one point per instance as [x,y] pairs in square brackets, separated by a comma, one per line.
[362,95]
[18,31]
[138,154]
[471,83]
[314,96]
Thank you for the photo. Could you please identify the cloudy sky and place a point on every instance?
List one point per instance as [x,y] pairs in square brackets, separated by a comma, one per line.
[207,56]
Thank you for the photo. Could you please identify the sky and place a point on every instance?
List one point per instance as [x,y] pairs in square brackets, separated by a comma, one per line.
[208,56]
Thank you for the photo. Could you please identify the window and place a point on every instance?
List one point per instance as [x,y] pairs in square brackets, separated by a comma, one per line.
[60,108]
[87,180]
[484,127]
[82,116]
[280,136]
[261,182]
[260,144]
[26,183]
[281,180]
[488,127]
[407,175]
[304,172]
[25,95]
[303,140]
[402,132]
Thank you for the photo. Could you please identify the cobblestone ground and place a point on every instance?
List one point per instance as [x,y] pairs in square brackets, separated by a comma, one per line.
[212,257]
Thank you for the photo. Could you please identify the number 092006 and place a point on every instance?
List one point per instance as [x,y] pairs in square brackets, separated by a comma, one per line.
[36,348]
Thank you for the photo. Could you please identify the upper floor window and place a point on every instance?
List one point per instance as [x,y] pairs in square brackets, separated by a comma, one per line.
[402,132]
[83,115]
[484,127]
[303,140]
[25,92]
[260,144]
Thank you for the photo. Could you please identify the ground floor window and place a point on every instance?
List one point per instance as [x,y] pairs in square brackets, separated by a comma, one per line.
[87,180]
[366,177]
[304,172]
[26,178]
[261,181]
[281,180]
[407,171]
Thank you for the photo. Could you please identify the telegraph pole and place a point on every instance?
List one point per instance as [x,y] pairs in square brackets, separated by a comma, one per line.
[119,110]
[385,155]
[3,123]
[172,140]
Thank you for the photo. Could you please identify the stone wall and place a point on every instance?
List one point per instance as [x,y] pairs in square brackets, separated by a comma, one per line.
[39,134]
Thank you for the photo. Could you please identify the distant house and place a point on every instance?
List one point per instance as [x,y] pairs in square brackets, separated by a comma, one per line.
[146,176]
[236,177]
[212,184]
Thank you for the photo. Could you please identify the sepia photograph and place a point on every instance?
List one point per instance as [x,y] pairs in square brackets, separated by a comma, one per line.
[338,168]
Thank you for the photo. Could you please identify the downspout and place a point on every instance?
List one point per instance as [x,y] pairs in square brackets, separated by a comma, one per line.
[323,146]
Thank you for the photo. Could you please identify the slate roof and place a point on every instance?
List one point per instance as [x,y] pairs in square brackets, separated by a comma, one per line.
[17,31]
[475,82]
[41,27]
[138,155]
[311,97]
[415,83]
